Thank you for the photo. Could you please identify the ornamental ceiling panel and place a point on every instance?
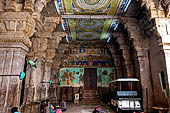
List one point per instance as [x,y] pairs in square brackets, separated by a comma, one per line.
[87,28]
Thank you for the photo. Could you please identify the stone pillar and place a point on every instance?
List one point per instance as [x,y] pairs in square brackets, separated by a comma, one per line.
[12,57]
[141,44]
[118,66]
[1,5]
[163,31]
[167,58]
[33,88]
[32,92]
[53,43]
[126,53]
[47,77]
[145,79]
[117,62]
[15,30]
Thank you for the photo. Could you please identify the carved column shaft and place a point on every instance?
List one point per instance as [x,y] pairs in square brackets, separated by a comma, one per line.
[117,63]
[47,76]
[163,31]
[141,45]
[145,80]
[15,30]
[1,5]
[12,63]
[126,55]
[167,57]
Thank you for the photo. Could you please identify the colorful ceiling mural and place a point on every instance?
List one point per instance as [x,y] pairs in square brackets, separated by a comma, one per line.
[90,29]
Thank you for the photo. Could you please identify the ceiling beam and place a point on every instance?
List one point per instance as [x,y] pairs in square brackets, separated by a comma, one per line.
[92,17]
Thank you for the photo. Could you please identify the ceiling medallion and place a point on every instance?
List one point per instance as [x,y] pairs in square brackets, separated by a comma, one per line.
[91,2]
[92,5]
[90,23]
[88,36]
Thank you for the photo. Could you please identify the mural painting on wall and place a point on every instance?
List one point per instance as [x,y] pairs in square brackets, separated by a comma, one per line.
[71,77]
[104,76]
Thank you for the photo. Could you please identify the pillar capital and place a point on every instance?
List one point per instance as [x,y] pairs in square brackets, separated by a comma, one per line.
[50,54]
[16,27]
[50,23]
[162,30]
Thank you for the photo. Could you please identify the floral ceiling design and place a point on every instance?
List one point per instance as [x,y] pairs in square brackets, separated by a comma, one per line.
[88,29]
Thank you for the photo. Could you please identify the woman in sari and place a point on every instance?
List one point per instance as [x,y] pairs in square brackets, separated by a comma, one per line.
[50,108]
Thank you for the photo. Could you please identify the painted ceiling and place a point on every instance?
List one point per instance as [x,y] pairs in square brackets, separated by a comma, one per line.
[87,29]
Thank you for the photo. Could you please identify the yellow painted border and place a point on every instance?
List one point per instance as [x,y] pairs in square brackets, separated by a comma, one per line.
[72,28]
[105,29]
[68,6]
[113,7]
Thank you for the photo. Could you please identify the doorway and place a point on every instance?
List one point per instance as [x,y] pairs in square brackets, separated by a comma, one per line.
[90,78]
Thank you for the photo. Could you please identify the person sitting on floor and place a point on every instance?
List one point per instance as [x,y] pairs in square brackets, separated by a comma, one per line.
[49,107]
[95,110]
[63,105]
[15,110]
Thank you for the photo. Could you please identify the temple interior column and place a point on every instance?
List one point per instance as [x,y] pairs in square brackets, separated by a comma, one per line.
[145,78]
[15,31]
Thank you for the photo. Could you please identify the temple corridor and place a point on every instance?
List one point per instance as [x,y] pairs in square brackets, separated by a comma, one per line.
[111,54]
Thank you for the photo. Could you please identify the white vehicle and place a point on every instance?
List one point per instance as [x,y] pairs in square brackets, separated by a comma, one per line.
[124,96]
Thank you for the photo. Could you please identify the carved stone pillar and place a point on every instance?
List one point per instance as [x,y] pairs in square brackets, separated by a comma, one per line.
[15,30]
[32,92]
[47,76]
[117,63]
[145,79]
[163,31]
[1,5]
[118,66]
[53,43]
[141,45]
[167,57]
[34,88]
[126,54]
[29,5]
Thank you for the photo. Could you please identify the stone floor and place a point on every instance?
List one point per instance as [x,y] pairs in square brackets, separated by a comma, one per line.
[79,108]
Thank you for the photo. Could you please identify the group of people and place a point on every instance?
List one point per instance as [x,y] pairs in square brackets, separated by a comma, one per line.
[49,108]
[100,110]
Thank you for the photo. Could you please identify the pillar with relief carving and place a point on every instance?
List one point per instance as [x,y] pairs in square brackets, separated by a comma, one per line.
[15,30]
[141,45]
[117,62]
[145,79]
[163,32]
[125,53]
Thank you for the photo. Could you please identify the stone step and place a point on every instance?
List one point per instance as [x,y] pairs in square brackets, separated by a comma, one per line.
[89,98]
[89,102]
[89,94]
[89,91]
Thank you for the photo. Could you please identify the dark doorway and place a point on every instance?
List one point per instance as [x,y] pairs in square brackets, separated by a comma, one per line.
[90,78]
